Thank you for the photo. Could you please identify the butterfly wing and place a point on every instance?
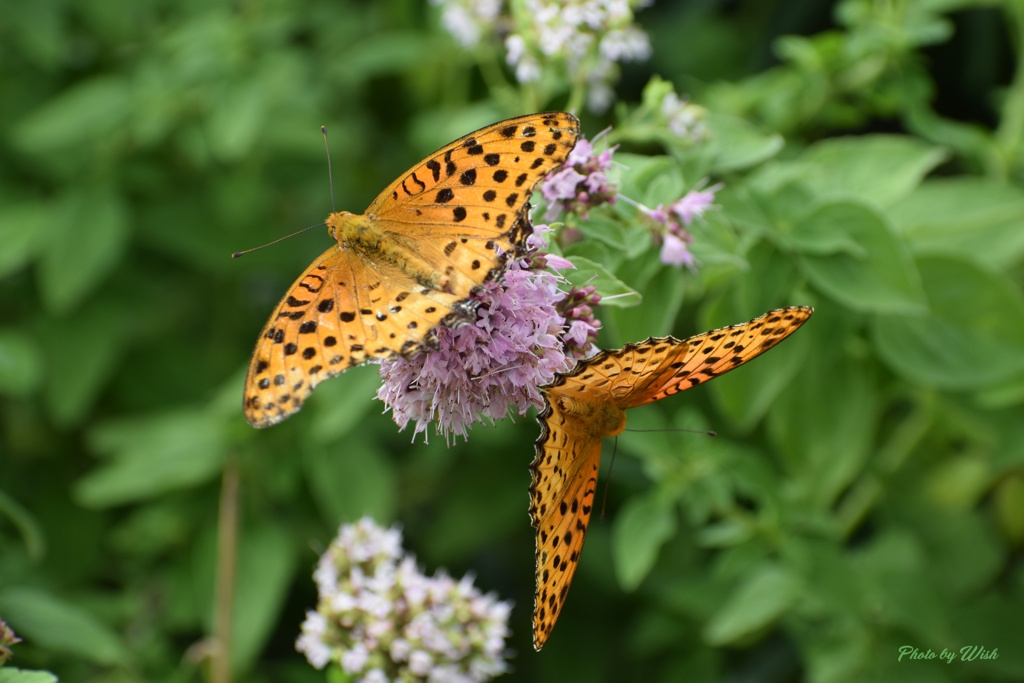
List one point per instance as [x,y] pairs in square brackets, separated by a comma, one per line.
[469,199]
[579,411]
[338,314]
[409,264]
[587,404]
[564,478]
[663,366]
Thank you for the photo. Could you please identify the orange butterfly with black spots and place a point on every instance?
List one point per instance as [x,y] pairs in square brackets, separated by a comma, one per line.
[407,265]
[588,403]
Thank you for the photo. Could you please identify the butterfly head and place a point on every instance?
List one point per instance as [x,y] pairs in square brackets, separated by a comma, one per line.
[341,223]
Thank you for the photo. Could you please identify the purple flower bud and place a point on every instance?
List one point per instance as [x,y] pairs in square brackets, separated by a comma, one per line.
[694,203]
[668,224]
[581,183]
[674,251]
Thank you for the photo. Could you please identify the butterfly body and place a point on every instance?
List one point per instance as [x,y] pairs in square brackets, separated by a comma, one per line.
[365,238]
[589,403]
[597,418]
[409,264]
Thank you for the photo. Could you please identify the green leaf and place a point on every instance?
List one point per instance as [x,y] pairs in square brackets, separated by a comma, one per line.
[768,280]
[389,52]
[593,249]
[26,524]
[664,188]
[875,273]
[967,553]
[56,624]
[641,171]
[667,285]
[38,32]
[642,526]
[234,124]
[266,565]
[725,534]
[10,675]
[993,618]
[735,144]
[971,141]
[149,532]
[828,577]
[89,110]
[977,217]
[23,228]
[959,482]
[81,352]
[1007,437]
[716,246]
[828,229]
[351,480]
[1010,392]
[21,363]
[769,203]
[606,230]
[1008,507]
[614,292]
[972,335]
[824,455]
[765,595]
[480,510]
[87,241]
[880,169]
[150,456]
[340,404]
[899,588]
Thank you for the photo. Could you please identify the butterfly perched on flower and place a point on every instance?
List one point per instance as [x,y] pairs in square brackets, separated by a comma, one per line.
[588,403]
[407,265]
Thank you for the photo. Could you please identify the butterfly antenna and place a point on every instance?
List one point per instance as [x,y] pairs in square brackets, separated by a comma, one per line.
[330,180]
[615,448]
[330,174]
[608,481]
[705,432]
[279,239]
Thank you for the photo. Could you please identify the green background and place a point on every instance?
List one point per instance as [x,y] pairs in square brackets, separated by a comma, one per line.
[866,490]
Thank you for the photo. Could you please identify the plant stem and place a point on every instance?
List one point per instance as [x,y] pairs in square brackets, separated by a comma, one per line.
[227,555]
[1011,127]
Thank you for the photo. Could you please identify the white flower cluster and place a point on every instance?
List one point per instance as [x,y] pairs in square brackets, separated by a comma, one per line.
[589,36]
[380,619]
[469,20]
[685,119]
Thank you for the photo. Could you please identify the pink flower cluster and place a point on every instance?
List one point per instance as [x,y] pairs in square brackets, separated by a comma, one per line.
[671,221]
[581,183]
[578,309]
[527,329]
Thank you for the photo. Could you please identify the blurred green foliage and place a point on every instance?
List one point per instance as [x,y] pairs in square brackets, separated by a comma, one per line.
[866,490]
